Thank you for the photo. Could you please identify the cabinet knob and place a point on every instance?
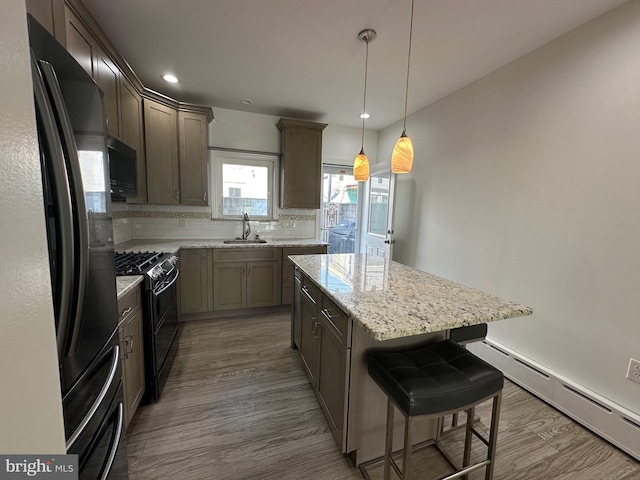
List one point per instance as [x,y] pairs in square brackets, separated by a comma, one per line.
[204,197]
[177,195]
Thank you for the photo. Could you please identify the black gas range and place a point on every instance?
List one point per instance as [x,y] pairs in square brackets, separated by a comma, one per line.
[160,272]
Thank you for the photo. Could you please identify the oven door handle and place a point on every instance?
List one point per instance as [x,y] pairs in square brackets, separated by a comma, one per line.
[168,283]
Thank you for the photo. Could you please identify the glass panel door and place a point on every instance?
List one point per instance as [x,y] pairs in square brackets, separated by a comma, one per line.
[380,192]
[339,210]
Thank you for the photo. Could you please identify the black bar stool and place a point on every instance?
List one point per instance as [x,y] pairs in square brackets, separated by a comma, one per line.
[433,381]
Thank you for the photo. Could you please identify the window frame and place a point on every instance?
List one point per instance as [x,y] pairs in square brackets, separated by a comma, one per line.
[244,159]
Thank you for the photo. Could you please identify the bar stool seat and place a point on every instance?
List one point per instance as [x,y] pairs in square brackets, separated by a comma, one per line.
[435,380]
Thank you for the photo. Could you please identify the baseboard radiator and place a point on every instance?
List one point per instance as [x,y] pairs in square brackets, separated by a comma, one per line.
[612,422]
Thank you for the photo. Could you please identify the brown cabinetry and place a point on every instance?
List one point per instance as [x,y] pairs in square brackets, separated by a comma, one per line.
[132,133]
[81,44]
[195,291]
[49,14]
[194,178]
[161,147]
[287,267]
[131,351]
[246,278]
[325,351]
[107,76]
[300,164]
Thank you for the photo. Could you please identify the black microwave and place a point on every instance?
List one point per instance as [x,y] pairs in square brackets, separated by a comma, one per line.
[122,167]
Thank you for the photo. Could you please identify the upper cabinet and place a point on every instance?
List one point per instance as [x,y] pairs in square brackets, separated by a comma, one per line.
[107,77]
[176,142]
[170,138]
[49,14]
[194,140]
[132,133]
[300,164]
[81,44]
[161,143]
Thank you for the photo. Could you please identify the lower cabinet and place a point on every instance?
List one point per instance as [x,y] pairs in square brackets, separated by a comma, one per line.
[325,351]
[287,267]
[246,278]
[132,351]
[195,294]
[308,347]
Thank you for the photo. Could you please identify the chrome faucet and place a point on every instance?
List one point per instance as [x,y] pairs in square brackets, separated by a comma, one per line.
[246,227]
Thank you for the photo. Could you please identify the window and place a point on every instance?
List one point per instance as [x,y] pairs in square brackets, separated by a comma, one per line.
[340,209]
[243,183]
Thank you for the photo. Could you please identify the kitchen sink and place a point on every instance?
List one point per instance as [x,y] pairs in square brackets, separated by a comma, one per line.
[240,241]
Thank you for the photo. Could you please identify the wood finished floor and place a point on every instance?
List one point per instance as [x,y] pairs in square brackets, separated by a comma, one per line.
[238,406]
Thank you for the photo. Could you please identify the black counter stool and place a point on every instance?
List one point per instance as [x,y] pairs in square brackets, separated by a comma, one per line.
[432,381]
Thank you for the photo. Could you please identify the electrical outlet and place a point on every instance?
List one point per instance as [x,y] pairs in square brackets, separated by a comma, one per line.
[182,223]
[633,373]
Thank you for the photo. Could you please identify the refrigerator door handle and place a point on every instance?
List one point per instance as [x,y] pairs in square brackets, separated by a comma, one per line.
[70,150]
[115,443]
[113,368]
[55,168]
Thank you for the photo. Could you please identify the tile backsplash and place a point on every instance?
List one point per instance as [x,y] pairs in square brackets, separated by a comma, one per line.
[156,222]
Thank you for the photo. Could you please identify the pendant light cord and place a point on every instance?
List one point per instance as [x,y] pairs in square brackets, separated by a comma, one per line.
[406,97]
[364,99]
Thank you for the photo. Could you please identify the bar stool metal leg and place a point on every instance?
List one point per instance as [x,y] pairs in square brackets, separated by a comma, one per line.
[468,436]
[408,445]
[493,436]
[388,449]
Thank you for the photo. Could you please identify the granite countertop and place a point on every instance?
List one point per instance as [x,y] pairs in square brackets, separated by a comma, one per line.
[127,283]
[390,300]
[172,246]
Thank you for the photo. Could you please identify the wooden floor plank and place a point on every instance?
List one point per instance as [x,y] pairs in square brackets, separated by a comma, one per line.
[238,406]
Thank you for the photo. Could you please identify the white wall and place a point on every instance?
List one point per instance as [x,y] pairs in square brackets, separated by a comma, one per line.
[527,184]
[253,131]
[30,402]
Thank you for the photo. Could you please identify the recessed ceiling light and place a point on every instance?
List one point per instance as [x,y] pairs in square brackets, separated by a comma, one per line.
[365,115]
[246,101]
[170,78]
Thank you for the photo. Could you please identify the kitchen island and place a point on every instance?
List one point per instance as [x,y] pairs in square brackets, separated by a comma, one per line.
[346,305]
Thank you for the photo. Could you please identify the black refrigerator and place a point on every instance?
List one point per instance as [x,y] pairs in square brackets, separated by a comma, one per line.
[75,179]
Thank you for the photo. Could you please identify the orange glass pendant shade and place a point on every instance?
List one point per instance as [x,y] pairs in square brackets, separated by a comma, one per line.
[361,167]
[402,157]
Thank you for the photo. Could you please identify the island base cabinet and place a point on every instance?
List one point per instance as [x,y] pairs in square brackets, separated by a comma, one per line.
[333,381]
[308,341]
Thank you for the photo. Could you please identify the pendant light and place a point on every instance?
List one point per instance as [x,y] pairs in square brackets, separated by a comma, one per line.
[361,163]
[402,157]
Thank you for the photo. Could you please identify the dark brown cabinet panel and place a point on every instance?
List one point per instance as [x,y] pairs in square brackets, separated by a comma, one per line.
[161,146]
[300,164]
[194,178]
[195,293]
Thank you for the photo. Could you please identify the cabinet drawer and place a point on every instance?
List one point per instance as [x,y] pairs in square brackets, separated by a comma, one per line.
[337,320]
[245,254]
[129,304]
[310,290]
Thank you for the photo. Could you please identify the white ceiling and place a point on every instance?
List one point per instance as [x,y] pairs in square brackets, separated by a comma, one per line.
[302,58]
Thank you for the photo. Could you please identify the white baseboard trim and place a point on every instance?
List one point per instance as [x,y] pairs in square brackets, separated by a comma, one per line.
[612,422]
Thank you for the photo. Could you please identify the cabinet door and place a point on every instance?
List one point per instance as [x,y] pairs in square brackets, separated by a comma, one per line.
[333,368]
[301,164]
[229,285]
[263,284]
[49,14]
[308,341]
[194,283]
[135,384]
[194,177]
[131,132]
[296,314]
[108,78]
[287,267]
[80,43]
[161,147]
